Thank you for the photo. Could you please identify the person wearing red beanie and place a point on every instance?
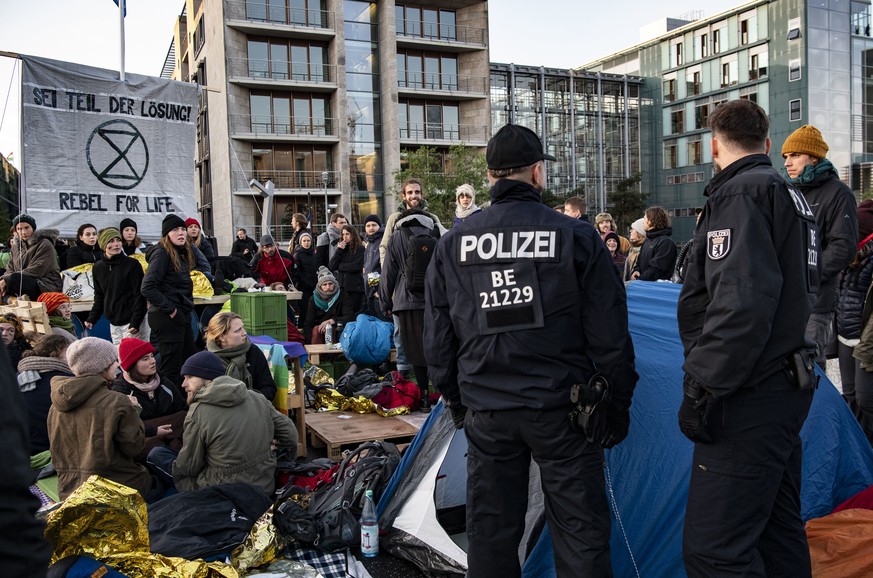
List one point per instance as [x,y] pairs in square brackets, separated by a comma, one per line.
[198,239]
[162,402]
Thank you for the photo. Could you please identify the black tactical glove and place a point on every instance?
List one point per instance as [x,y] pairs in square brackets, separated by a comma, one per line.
[692,412]
[617,423]
[459,412]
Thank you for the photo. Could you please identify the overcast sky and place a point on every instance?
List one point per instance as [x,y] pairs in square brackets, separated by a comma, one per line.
[554,33]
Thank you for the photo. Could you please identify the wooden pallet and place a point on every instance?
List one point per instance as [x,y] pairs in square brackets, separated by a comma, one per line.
[315,353]
[32,315]
[335,429]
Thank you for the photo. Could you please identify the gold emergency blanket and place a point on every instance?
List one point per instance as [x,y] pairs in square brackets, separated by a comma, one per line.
[109,522]
[327,399]
[202,286]
[262,545]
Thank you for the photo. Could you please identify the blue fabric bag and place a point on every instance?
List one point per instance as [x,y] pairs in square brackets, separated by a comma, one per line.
[367,340]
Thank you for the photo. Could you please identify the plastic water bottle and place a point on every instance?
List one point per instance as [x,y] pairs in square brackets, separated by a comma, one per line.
[369,527]
[328,335]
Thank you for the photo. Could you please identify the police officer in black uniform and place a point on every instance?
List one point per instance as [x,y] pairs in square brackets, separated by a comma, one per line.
[521,304]
[749,289]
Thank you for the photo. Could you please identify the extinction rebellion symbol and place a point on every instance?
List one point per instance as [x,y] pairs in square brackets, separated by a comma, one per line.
[117,154]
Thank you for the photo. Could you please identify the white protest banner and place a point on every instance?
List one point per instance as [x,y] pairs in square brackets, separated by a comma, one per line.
[98,150]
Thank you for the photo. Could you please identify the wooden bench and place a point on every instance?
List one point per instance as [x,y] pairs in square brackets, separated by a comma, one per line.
[315,352]
[338,428]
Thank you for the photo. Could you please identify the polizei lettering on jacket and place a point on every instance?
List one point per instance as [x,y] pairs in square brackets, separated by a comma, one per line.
[508,245]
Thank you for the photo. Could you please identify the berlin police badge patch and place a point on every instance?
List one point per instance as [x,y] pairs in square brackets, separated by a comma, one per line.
[718,244]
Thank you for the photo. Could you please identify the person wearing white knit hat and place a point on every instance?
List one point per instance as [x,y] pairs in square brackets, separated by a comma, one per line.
[93,430]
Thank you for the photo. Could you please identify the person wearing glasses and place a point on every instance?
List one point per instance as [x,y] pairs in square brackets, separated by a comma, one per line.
[60,314]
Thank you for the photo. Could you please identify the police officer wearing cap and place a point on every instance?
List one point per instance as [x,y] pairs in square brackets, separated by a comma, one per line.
[749,289]
[522,305]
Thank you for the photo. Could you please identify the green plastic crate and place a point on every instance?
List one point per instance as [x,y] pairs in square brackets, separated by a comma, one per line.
[260,309]
[278,331]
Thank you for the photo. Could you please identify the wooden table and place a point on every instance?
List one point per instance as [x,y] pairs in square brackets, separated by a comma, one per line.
[84,306]
[338,428]
[297,404]
[316,351]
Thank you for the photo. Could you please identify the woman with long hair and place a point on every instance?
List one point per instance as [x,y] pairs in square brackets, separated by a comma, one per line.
[161,402]
[85,249]
[307,269]
[130,240]
[170,292]
[13,337]
[226,337]
[197,238]
[37,367]
[348,264]
[300,224]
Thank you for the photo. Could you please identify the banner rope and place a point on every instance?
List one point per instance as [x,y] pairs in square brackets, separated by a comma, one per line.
[615,511]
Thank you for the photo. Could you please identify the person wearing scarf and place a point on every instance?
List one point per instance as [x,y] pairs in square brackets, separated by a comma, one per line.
[226,337]
[60,314]
[465,197]
[328,307]
[13,337]
[36,369]
[836,219]
[304,254]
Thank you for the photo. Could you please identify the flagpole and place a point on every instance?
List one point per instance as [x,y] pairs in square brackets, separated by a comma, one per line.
[121,24]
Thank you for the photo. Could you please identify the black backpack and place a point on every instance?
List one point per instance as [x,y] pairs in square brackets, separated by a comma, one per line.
[420,248]
[332,521]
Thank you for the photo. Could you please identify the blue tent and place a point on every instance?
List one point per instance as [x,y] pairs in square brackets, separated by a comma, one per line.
[647,475]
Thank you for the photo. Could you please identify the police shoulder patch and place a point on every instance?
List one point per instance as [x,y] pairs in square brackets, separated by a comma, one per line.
[718,244]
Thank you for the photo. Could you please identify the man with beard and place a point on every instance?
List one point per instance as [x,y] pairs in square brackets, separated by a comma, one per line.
[749,288]
[523,306]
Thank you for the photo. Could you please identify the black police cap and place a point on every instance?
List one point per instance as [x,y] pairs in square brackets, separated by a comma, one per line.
[515,146]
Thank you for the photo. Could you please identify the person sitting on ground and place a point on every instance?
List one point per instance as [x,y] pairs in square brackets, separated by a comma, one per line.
[93,430]
[197,239]
[465,203]
[162,404]
[229,432]
[307,272]
[226,337]
[348,265]
[244,247]
[658,254]
[60,314]
[328,307]
[13,337]
[36,369]
[33,267]
[85,249]
[117,283]
[271,267]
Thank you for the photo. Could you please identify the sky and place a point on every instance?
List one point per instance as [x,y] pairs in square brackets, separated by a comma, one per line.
[557,34]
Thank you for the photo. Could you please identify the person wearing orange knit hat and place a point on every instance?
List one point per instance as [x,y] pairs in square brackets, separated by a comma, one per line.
[833,205]
[60,313]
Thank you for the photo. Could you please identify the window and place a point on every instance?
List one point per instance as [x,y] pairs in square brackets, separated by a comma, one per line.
[307,62]
[199,34]
[677,120]
[692,83]
[749,93]
[794,29]
[671,154]
[429,120]
[729,72]
[676,54]
[695,152]
[720,39]
[429,70]
[701,115]
[277,113]
[794,112]
[749,28]
[426,22]
[294,166]
[669,90]
[758,61]
[700,46]
[793,70]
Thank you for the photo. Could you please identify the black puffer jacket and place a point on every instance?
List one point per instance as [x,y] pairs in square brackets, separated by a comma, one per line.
[349,268]
[854,284]
[657,256]
[164,287]
[80,253]
[117,284]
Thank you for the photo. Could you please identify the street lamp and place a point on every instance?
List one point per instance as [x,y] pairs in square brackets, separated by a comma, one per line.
[324,177]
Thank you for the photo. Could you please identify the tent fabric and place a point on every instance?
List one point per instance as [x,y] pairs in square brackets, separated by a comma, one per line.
[863,499]
[648,473]
[840,544]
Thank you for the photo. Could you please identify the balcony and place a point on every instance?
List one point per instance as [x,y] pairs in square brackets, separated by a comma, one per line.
[283,128]
[450,86]
[271,74]
[445,37]
[444,134]
[260,17]
[307,181]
